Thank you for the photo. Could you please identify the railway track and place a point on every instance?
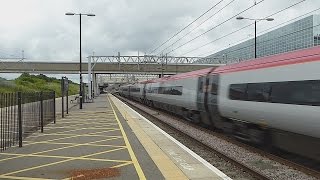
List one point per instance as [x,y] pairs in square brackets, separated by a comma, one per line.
[258,163]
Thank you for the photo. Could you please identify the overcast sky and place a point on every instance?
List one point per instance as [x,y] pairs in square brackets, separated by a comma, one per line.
[44,32]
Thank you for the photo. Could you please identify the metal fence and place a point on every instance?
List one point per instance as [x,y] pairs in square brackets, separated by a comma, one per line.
[22,114]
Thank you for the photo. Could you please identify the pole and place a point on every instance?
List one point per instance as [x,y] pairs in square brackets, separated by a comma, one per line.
[41,110]
[20,118]
[62,96]
[54,107]
[67,98]
[89,78]
[255,38]
[80,94]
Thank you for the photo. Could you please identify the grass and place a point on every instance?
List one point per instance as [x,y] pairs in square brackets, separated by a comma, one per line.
[34,83]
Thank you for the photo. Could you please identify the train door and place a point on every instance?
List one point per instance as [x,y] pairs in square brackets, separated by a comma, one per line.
[144,91]
[211,101]
[202,94]
[129,92]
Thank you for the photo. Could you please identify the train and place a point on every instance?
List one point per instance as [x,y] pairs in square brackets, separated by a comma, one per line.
[272,101]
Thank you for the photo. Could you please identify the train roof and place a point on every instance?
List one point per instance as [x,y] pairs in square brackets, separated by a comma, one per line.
[293,57]
[196,73]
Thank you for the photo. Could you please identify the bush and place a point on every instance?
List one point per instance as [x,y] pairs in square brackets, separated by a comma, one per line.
[31,83]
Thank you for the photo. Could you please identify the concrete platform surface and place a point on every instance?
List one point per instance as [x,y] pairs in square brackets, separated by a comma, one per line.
[104,140]
[92,143]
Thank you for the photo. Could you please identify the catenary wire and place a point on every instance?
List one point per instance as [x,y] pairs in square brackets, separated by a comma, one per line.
[206,44]
[270,39]
[185,27]
[198,26]
[244,39]
[216,26]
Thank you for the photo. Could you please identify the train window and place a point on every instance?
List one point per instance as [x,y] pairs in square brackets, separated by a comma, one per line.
[176,90]
[214,85]
[201,86]
[171,90]
[134,89]
[161,90]
[238,91]
[296,92]
[154,90]
[258,92]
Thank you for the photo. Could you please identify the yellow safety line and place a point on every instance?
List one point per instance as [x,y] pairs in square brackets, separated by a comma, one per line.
[89,144]
[74,158]
[132,155]
[58,162]
[50,150]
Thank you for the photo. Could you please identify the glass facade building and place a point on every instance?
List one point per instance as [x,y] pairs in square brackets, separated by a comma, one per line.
[300,34]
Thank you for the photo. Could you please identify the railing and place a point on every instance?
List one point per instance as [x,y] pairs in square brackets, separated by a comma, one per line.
[22,114]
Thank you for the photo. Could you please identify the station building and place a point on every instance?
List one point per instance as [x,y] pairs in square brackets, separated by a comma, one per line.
[304,33]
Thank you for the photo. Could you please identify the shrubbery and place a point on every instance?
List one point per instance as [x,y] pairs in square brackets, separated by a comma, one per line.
[30,83]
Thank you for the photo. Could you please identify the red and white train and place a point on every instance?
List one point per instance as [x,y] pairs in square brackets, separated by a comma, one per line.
[273,100]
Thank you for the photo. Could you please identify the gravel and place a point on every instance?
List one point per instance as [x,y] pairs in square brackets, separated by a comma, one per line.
[264,165]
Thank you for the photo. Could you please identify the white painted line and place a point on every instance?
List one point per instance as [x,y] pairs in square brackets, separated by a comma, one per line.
[204,162]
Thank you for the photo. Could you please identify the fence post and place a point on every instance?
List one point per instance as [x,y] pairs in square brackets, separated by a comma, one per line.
[20,118]
[62,96]
[67,99]
[54,107]
[41,110]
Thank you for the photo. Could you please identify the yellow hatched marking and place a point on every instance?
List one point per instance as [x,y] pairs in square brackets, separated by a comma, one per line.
[83,123]
[121,165]
[77,125]
[77,135]
[81,135]
[58,162]
[116,166]
[74,158]
[88,144]
[50,150]
[106,126]
[80,123]
[117,137]
[91,112]
[132,155]
[20,177]
[72,129]
[89,124]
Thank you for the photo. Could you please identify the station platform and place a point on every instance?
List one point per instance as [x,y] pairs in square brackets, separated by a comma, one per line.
[104,140]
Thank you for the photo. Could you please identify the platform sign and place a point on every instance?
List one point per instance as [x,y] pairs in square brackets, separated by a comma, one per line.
[64,85]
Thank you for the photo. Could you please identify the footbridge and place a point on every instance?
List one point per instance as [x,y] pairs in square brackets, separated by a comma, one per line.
[108,65]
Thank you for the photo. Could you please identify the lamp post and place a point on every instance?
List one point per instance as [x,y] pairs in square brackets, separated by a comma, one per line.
[255,30]
[80,93]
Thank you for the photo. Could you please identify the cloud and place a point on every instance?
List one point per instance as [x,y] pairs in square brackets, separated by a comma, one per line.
[41,29]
